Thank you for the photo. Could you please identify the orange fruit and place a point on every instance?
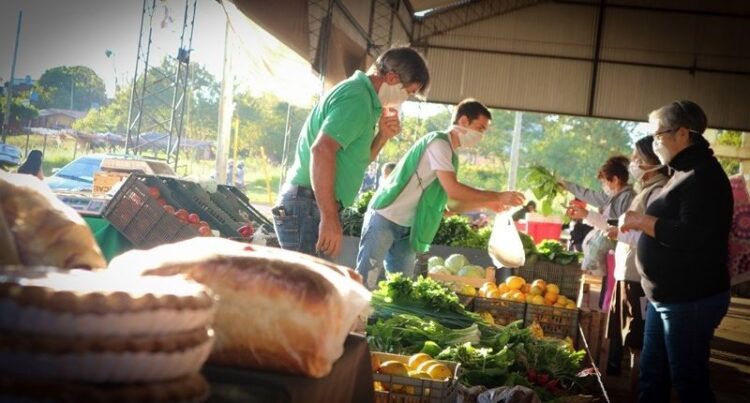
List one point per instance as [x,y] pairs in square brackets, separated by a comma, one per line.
[539,283]
[553,288]
[536,290]
[550,297]
[515,282]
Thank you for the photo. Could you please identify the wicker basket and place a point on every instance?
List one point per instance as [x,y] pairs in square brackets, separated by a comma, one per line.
[503,312]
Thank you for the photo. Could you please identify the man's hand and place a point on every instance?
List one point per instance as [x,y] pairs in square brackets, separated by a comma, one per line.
[389,124]
[612,233]
[330,234]
[510,198]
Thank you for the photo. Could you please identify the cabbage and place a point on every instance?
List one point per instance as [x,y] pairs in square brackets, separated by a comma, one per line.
[440,269]
[455,262]
[435,261]
[472,271]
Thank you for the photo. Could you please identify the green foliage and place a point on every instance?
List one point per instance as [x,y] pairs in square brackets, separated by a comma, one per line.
[20,110]
[407,334]
[452,229]
[55,86]
[544,185]
[352,218]
[730,138]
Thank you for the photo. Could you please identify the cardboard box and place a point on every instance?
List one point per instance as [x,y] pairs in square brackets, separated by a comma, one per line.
[104,181]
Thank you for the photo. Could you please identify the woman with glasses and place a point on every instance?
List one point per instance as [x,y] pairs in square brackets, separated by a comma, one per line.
[682,258]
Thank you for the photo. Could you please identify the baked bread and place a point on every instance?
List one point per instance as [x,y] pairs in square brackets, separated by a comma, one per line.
[46,231]
[278,310]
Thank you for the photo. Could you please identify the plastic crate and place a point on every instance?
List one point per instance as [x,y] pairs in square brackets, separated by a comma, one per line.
[555,321]
[141,219]
[503,311]
[466,300]
[568,277]
[238,200]
[403,389]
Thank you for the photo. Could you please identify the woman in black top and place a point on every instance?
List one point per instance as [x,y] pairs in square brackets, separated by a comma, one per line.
[32,165]
[682,258]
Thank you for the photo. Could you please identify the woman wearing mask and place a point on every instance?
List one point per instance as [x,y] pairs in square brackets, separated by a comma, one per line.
[613,200]
[682,258]
[628,300]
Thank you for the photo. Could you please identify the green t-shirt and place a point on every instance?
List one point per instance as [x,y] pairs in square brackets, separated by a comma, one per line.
[348,114]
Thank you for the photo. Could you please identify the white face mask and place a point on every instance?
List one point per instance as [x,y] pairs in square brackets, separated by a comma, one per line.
[662,152]
[608,191]
[637,172]
[467,136]
[392,96]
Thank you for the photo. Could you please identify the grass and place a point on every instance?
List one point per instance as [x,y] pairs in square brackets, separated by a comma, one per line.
[255,179]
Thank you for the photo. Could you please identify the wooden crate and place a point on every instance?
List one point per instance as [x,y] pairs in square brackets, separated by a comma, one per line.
[403,389]
[472,281]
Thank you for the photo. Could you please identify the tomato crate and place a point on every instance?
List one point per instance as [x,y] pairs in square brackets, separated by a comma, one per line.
[239,201]
[568,277]
[555,321]
[503,311]
[404,389]
[141,219]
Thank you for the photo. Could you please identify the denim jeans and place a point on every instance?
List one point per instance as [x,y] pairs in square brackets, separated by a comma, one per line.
[383,241]
[676,349]
[297,220]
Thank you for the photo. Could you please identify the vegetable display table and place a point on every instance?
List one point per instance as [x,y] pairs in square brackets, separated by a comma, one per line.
[350,380]
[110,240]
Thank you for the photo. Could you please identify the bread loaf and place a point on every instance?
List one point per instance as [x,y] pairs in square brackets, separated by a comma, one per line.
[45,230]
[278,310]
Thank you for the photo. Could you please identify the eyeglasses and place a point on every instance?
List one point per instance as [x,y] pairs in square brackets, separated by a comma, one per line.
[658,135]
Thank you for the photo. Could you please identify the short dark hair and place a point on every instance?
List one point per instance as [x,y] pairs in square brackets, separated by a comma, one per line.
[408,63]
[387,167]
[33,163]
[615,167]
[531,203]
[472,109]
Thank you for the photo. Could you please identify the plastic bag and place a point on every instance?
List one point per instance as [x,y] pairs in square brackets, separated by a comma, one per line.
[505,246]
[595,248]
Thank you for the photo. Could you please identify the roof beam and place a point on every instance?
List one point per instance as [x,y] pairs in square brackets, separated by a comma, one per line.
[450,18]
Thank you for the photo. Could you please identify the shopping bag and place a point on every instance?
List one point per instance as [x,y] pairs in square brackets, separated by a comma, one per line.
[505,247]
[596,247]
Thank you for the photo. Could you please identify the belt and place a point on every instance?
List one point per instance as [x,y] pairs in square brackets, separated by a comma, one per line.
[305,192]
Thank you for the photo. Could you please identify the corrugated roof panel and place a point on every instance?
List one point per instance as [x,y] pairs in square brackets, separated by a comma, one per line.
[722,6]
[654,38]
[421,5]
[512,82]
[549,28]
[631,92]
[399,36]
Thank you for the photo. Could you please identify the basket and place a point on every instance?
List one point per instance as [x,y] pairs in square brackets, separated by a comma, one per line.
[503,311]
[403,389]
[141,219]
[555,321]
[567,277]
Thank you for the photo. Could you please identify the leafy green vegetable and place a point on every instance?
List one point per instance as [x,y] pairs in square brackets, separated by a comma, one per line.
[408,334]
[553,251]
[544,185]
[452,229]
[353,217]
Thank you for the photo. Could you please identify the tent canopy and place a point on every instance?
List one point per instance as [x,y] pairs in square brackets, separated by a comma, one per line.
[615,59]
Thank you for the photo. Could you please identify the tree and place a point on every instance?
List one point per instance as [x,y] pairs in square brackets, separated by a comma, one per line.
[55,86]
[21,111]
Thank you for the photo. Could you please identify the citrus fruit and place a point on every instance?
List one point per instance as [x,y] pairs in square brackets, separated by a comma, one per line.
[515,282]
[536,290]
[439,371]
[394,368]
[553,288]
[417,359]
[539,283]
[536,300]
[425,365]
[550,297]
[494,294]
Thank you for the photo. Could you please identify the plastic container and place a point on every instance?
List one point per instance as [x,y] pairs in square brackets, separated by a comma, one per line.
[403,389]
[555,321]
[540,227]
[503,311]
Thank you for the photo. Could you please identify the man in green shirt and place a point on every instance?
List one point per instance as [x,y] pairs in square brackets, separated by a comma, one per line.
[337,143]
[405,211]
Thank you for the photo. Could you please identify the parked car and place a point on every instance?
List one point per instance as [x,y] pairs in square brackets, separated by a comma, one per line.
[10,156]
[78,175]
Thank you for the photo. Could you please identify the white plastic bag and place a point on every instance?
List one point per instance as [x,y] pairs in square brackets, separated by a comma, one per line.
[505,247]
[596,247]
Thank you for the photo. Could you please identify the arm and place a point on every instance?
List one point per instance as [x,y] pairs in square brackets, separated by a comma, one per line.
[388,126]
[323,169]
[465,207]
[596,220]
[592,197]
[461,193]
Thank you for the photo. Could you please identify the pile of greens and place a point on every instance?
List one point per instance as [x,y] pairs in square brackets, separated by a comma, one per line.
[553,251]
[353,217]
[453,229]
[407,334]
[545,186]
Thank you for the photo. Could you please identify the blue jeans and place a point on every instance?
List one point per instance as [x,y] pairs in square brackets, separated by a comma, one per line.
[296,221]
[676,349]
[383,240]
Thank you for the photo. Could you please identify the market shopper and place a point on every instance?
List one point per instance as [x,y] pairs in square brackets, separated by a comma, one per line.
[613,200]
[682,258]
[625,322]
[32,165]
[406,210]
[337,143]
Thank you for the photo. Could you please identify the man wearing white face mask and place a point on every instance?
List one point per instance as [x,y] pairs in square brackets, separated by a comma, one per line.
[337,143]
[405,212]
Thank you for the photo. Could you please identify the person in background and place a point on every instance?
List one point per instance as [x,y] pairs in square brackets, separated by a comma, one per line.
[239,181]
[32,165]
[578,234]
[530,207]
[613,200]
[385,171]
[337,143]
[682,258]
[405,212]
[230,172]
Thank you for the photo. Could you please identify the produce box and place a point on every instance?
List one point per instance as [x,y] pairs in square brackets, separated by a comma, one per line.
[472,281]
[140,217]
[404,389]
[105,180]
[555,321]
[567,277]
[503,311]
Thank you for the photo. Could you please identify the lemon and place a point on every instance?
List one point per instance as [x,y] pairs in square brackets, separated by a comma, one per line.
[417,359]
[487,317]
[503,288]
[515,282]
[494,294]
[553,288]
[536,290]
[425,365]
[536,300]
[550,297]
[519,297]
[468,290]
[539,283]
[419,375]
[394,368]
[439,371]
[562,300]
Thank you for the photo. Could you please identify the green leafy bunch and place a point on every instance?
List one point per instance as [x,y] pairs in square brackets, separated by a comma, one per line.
[544,185]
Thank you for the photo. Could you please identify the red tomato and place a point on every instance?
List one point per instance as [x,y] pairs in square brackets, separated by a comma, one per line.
[154,192]
[204,230]
[161,201]
[193,218]
[182,214]
[169,209]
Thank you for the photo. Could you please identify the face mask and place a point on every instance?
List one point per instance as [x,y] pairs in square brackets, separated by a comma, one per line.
[392,96]
[467,136]
[608,191]
[637,172]
[662,152]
